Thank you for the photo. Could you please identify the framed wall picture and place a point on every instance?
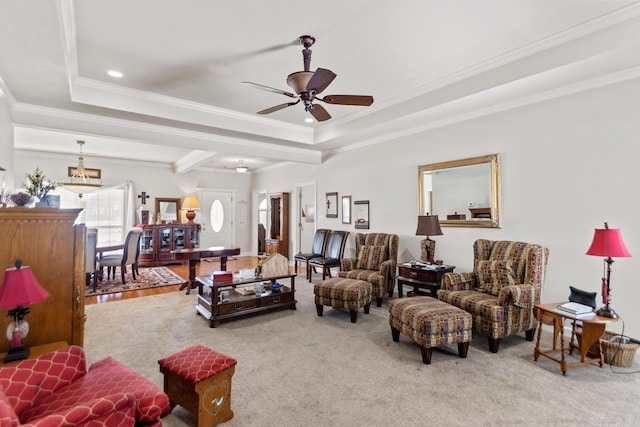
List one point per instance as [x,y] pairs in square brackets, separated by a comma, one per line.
[332,205]
[361,214]
[346,209]
[88,172]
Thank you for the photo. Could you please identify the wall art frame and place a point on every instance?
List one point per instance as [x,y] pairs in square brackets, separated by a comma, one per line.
[332,205]
[346,209]
[88,172]
[361,214]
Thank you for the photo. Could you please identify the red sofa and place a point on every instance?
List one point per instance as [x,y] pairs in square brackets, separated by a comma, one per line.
[56,389]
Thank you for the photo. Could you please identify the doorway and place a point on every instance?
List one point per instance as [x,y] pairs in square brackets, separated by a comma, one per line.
[305,216]
[217,220]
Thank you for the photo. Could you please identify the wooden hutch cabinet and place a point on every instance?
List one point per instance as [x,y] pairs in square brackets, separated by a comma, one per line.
[157,242]
[277,240]
[46,240]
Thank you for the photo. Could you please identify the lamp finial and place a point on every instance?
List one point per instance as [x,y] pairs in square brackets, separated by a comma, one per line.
[18,263]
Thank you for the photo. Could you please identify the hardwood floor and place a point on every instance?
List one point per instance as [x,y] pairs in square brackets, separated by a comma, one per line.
[205,267]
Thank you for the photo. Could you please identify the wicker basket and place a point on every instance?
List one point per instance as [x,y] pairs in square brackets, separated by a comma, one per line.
[615,353]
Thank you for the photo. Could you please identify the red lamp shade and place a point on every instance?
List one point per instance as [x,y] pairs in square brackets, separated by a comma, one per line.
[20,287]
[608,242]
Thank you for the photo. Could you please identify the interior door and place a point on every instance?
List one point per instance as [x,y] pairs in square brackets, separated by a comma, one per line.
[217,215]
[305,217]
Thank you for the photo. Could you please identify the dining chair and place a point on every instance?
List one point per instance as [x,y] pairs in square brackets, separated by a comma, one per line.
[129,256]
[90,264]
[332,255]
[317,249]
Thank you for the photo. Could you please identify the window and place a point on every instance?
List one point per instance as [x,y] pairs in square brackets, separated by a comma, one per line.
[102,209]
[217,216]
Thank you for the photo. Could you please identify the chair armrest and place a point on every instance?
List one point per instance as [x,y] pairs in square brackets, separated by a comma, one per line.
[522,296]
[458,281]
[387,269]
[348,264]
[33,379]
[111,410]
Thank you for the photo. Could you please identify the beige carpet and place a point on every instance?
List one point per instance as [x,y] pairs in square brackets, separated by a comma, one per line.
[296,369]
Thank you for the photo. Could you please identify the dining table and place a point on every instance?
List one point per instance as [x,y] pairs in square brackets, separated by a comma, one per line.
[101,249]
[196,254]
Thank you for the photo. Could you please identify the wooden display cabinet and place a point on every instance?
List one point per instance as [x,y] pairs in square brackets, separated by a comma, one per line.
[157,242]
[277,240]
[47,240]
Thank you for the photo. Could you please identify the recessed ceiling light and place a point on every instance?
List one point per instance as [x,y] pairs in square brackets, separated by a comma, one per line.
[115,73]
[308,120]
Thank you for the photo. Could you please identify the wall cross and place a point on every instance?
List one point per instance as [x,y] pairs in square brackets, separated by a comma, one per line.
[143,196]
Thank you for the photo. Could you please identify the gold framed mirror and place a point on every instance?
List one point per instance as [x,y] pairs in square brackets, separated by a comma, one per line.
[167,210]
[463,193]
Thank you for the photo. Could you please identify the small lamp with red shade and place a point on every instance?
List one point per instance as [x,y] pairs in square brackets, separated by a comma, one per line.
[19,288]
[607,242]
[190,204]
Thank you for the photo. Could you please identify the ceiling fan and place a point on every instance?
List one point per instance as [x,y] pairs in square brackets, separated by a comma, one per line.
[309,84]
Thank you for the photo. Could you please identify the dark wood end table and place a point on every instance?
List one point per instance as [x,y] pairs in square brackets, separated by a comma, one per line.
[425,281]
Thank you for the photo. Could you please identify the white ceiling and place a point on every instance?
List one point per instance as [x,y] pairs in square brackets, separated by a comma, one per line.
[427,63]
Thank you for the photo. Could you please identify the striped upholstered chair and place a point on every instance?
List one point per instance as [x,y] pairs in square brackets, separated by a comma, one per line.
[502,290]
[375,262]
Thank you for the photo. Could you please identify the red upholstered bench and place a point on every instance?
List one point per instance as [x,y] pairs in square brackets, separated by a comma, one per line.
[199,379]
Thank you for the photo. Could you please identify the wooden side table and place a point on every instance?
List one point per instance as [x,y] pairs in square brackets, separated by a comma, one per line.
[592,330]
[425,282]
[35,351]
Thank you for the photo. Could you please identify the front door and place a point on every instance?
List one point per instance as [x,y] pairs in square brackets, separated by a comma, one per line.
[217,214]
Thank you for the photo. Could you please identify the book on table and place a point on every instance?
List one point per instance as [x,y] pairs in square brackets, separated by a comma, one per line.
[576,308]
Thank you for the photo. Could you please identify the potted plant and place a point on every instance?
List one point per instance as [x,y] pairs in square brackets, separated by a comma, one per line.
[38,185]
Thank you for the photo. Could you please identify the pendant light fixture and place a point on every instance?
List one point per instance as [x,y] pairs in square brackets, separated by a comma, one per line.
[79,182]
[241,168]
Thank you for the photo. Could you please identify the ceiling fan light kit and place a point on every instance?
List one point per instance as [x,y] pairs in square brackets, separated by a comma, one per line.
[242,168]
[308,84]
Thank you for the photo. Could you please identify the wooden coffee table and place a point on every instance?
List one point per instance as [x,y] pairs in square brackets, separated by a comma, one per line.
[238,304]
[592,330]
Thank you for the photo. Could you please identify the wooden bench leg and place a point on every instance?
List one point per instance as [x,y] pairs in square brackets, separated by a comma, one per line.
[426,355]
[463,347]
[354,315]
[319,309]
[395,334]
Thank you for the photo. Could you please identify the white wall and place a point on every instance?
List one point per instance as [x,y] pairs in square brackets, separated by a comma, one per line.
[6,145]
[155,180]
[568,165]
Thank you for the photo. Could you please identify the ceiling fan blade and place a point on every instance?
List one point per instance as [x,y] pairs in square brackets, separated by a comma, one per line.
[270,89]
[278,107]
[364,100]
[320,80]
[319,113]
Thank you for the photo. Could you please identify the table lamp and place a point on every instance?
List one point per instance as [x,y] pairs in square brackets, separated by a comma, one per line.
[428,225]
[190,204]
[607,242]
[19,288]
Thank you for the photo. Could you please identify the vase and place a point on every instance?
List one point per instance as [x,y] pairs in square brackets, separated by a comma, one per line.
[49,201]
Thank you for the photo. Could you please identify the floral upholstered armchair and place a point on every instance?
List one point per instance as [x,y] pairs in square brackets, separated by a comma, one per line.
[57,389]
[375,262]
[502,290]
